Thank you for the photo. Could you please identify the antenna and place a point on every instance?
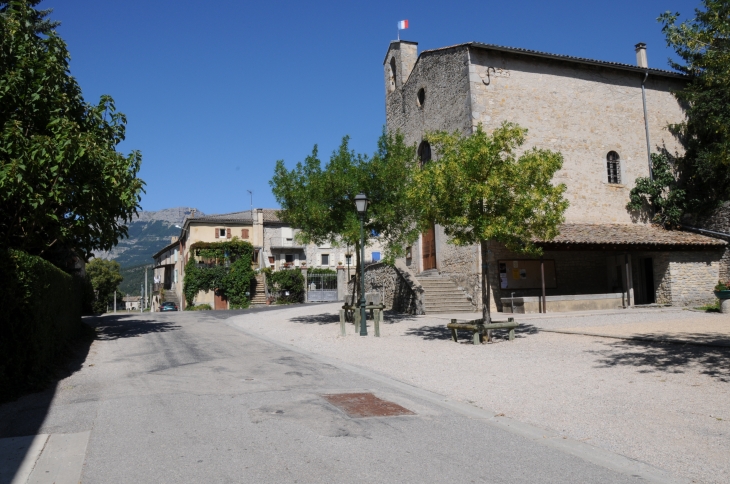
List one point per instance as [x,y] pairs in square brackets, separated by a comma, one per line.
[250,192]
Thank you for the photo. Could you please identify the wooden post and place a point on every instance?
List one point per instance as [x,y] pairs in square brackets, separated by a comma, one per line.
[453,333]
[542,278]
[511,331]
[343,332]
[378,313]
[356,316]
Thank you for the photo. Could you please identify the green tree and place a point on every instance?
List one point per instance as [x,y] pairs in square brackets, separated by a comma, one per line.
[661,194]
[63,185]
[105,276]
[703,45]
[321,201]
[479,190]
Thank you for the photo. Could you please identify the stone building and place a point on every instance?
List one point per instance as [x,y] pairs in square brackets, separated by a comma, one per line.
[590,111]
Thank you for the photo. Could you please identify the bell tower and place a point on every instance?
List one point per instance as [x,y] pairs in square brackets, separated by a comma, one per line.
[398,64]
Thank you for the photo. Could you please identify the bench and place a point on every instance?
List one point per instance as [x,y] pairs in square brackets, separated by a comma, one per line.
[480,330]
[352,313]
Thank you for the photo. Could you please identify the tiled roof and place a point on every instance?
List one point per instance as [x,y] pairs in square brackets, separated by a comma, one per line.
[233,217]
[567,58]
[627,235]
[271,215]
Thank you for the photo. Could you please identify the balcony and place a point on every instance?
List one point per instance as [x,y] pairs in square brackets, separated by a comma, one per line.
[284,243]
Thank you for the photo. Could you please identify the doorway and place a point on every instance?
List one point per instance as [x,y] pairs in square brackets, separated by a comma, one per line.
[647,283]
[220,302]
[428,249]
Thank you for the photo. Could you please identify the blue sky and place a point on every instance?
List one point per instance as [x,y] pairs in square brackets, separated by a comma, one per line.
[216,92]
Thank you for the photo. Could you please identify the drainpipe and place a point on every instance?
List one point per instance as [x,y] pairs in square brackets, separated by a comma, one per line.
[641,61]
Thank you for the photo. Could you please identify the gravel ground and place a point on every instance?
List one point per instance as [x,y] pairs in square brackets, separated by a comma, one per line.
[664,404]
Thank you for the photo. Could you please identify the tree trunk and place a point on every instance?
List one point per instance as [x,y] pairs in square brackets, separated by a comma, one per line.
[486,317]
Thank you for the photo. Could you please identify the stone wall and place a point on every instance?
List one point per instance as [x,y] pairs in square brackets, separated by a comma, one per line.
[399,290]
[717,221]
[693,276]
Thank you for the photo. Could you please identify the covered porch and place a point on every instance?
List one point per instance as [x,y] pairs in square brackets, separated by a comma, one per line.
[607,266]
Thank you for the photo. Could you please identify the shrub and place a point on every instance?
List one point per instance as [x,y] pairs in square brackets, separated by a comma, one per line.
[285,281]
[199,307]
[42,307]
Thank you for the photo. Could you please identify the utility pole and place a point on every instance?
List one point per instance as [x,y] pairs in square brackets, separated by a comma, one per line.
[145,286]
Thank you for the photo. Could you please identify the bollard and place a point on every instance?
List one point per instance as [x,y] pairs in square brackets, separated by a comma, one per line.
[356,317]
[378,313]
[342,323]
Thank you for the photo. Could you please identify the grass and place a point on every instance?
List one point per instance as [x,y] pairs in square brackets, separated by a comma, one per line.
[711,308]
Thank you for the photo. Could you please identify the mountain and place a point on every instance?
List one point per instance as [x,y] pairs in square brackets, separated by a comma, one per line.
[148,233]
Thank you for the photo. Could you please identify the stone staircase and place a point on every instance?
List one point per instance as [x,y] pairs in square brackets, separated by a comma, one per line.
[441,295]
[258,292]
[171,296]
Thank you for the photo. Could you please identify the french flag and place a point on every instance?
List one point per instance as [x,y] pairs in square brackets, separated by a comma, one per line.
[403,24]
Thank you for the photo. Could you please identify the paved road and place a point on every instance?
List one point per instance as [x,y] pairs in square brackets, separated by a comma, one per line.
[186,397]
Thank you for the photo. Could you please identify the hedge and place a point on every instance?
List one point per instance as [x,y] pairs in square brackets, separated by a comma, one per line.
[41,313]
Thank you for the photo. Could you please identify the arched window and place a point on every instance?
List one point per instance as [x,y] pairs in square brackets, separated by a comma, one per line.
[613,165]
[424,152]
[393,72]
[421,97]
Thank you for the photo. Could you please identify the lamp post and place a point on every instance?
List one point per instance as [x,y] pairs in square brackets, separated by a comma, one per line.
[361,204]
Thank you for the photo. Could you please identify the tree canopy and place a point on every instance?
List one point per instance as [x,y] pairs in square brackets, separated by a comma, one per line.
[105,277]
[479,189]
[63,184]
[321,201]
[703,45]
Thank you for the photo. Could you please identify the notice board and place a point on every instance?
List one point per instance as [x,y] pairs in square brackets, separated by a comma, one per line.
[525,274]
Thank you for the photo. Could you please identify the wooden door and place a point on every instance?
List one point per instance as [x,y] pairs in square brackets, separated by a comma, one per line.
[220,302]
[428,249]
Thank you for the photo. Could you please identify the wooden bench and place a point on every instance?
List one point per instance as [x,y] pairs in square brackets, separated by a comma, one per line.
[480,330]
[352,313]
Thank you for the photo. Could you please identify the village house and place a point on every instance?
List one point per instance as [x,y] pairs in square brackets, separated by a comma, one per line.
[593,113]
[275,247]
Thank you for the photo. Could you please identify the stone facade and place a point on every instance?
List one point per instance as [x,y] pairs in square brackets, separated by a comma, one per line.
[398,288]
[584,109]
[717,221]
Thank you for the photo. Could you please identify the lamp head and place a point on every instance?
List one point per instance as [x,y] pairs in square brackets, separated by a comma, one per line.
[361,203]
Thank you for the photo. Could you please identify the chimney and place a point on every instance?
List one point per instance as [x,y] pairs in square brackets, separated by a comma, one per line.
[641,55]
[193,210]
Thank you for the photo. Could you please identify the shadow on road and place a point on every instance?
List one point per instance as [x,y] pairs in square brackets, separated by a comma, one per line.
[713,361]
[443,333]
[129,326]
[390,317]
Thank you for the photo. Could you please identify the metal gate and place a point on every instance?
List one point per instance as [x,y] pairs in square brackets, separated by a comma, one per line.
[321,287]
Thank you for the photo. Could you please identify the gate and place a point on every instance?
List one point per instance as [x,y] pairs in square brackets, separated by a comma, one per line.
[321,287]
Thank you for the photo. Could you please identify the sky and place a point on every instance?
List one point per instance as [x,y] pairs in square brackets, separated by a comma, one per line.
[216,92]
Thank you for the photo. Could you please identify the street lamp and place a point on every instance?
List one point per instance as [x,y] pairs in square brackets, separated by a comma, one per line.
[361,204]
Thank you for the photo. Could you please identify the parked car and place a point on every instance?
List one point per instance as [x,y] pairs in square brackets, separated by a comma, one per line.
[168,306]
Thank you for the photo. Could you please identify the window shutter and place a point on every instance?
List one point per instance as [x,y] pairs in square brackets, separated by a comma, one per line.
[244,233]
[216,233]
[228,233]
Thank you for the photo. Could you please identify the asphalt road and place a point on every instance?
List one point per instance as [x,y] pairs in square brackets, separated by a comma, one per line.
[187,397]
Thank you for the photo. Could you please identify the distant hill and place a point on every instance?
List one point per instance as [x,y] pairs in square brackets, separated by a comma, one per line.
[148,233]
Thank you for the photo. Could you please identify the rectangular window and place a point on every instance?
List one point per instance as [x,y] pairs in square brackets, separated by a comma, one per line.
[376,256]
[325,259]
[175,276]
[221,232]
[244,233]
[289,258]
[175,255]
[348,260]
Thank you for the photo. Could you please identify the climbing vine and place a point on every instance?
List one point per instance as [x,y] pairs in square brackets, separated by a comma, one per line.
[224,267]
